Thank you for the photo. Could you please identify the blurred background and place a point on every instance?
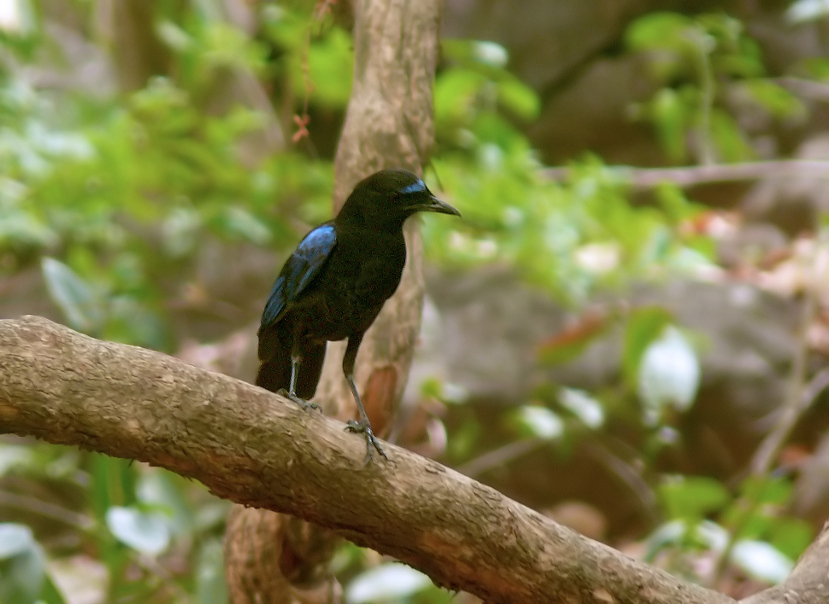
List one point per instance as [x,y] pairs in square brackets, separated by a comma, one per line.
[637,295]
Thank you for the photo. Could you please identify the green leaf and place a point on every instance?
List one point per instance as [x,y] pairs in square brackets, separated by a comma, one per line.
[730,140]
[455,92]
[146,532]
[692,497]
[659,30]
[80,303]
[768,490]
[113,483]
[778,101]
[672,115]
[791,536]
[51,593]
[643,326]
[518,98]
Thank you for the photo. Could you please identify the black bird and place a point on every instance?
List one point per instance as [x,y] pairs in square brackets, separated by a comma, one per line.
[334,285]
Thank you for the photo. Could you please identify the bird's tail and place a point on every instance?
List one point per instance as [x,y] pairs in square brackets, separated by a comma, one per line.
[275,363]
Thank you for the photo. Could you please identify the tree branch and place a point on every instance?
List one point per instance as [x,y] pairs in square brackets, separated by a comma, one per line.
[689,176]
[258,449]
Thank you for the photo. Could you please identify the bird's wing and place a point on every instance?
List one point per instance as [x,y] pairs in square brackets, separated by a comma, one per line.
[299,271]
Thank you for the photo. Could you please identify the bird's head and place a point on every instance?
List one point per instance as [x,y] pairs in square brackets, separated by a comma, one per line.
[391,196]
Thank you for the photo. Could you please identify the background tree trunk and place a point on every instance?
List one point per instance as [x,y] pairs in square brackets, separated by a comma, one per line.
[274,558]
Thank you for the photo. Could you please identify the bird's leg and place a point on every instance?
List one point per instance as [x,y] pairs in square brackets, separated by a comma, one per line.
[363,425]
[296,361]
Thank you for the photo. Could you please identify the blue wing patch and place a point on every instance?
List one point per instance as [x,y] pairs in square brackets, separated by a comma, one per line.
[300,269]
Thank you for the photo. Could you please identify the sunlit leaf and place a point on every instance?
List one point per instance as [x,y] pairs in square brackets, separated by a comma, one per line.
[761,560]
[14,539]
[12,456]
[540,421]
[146,532]
[684,533]
[386,582]
[468,51]
[22,565]
[802,11]
[669,374]
[589,410]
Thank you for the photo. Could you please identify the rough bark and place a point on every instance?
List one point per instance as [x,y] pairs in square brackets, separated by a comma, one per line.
[388,124]
[132,24]
[258,449]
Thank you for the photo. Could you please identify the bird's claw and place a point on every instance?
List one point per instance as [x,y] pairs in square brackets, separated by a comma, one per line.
[299,401]
[364,427]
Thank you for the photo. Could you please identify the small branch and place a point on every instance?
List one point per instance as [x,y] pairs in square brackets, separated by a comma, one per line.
[500,456]
[690,176]
[46,509]
[255,448]
[809,89]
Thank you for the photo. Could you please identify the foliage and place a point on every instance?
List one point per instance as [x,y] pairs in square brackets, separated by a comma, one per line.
[710,70]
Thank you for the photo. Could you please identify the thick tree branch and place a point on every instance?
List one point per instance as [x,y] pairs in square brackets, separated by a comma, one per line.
[258,449]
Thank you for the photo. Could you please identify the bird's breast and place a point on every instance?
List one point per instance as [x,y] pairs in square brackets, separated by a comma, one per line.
[353,288]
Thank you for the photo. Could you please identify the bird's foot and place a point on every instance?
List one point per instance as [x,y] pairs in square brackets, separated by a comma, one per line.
[363,427]
[299,401]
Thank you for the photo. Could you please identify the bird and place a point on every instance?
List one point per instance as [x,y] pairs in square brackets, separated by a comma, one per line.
[334,285]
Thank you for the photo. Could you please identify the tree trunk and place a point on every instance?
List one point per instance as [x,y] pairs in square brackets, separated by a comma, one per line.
[273,558]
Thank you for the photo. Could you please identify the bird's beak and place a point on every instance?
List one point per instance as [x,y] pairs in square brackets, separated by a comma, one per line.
[433,204]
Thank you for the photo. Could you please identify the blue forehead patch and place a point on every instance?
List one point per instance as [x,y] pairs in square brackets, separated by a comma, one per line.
[416,187]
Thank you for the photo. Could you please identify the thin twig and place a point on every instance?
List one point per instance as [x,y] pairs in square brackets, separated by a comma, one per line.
[45,509]
[500,456]
[806,88]
[689,176]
